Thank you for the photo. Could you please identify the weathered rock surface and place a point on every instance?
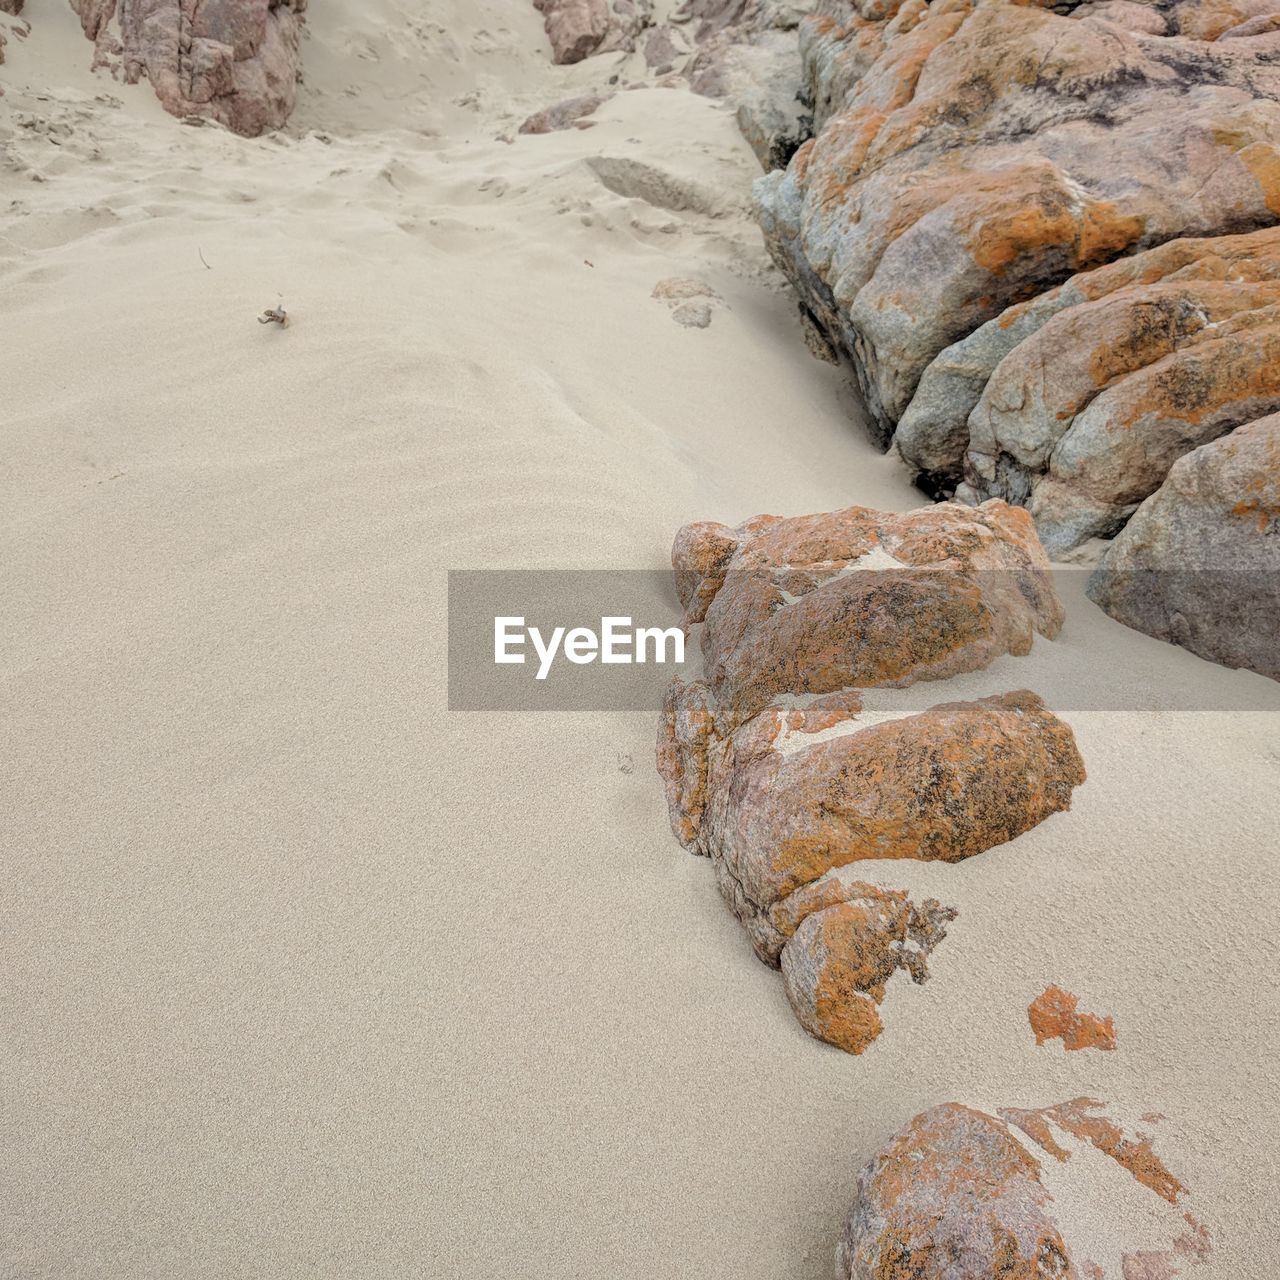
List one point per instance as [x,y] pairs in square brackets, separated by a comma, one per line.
[974,154]
[234,61]
[769,772]
[747,52]
[837,962]
[1199,564]
[860,598]
[777,811]
[1151,312]
[956,1195]
[579,28]
[1055,1015]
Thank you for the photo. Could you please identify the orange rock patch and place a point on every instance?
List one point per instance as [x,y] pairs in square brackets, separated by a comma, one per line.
[1054,1015]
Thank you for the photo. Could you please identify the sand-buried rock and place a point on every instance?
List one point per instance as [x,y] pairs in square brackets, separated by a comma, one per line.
[959,1194]
[770,774]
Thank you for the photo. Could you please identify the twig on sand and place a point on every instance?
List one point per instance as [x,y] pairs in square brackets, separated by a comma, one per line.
[200,251]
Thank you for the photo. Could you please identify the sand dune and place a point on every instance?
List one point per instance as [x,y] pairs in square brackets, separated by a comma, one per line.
[305,975]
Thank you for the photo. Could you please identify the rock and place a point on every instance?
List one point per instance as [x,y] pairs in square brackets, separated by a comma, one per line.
[1199,564]
[1054,1015]
[769,773]
[764,80]
[854,598]
[565,115]
[13,8]
[776,812]
[837,962]
[957,1195]
[976,154]
[954,1196]
[234,61]
[933,435]
[579,28]
[747,52]
[664,46]
[692,303]
[1137,379]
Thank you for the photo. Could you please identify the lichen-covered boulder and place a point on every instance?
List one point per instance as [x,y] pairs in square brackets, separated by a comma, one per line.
[777,807]
[770,772]
[959,1194]
[954,1196]
[1199,564]
[933,435]
[976,153]
[859,598]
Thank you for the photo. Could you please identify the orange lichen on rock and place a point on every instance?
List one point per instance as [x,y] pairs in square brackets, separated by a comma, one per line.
[1055,1015]
[860,598]
[1009,147]
[839,959]
[955,1195]
[1077,1118]
[768,772]
[954,1189]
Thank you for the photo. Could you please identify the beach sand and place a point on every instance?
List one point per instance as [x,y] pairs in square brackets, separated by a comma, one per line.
[304,974]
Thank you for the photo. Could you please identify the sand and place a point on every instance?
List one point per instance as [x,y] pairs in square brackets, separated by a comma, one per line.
[304,975]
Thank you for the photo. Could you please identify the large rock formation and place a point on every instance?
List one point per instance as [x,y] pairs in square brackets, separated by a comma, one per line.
[234,61]
[957,1195]
[1199,565]
[770,772]
[974,153]
[1151,312]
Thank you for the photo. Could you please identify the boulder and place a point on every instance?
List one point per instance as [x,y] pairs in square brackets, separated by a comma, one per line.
[777,805]
[933,435]
[234,61]
[1199,564]
[579,28]
[771,771]
[962,1195]
[746,52]
[954,1196]
[972,154]
[860,598]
